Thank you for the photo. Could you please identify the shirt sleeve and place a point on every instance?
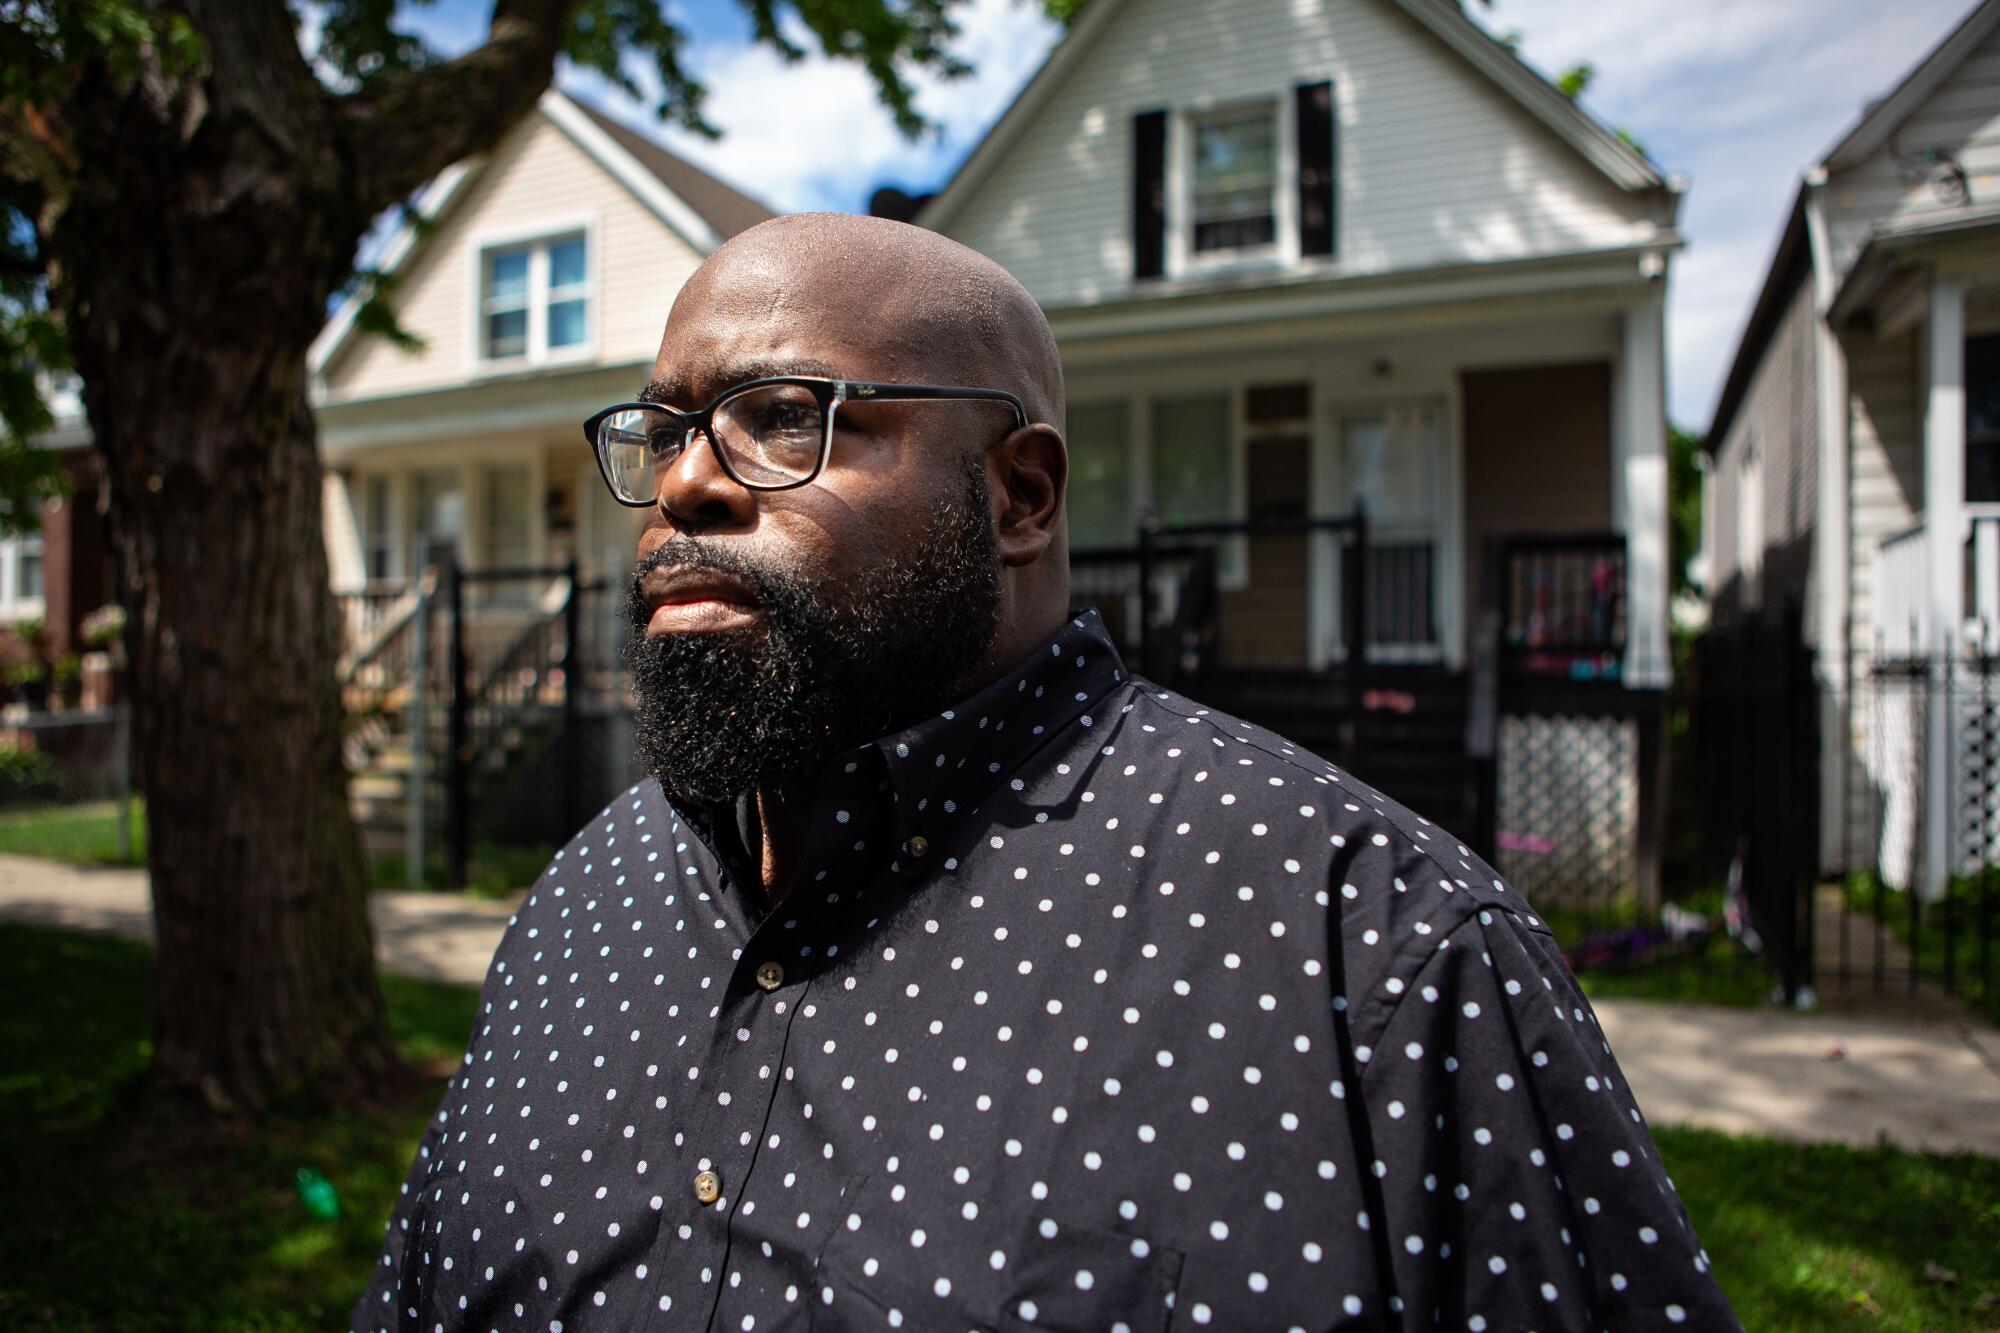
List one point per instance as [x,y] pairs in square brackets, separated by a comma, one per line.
[378,1310]
[1519,1186]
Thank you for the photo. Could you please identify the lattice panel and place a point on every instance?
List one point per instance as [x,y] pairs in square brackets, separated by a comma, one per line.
[1569,808]
[1976,788]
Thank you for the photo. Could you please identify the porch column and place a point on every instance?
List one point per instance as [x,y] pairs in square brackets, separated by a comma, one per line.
[1944,537]
[1639,492]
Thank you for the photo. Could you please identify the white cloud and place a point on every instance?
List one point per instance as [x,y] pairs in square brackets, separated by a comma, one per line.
[814,135]
[1740,98]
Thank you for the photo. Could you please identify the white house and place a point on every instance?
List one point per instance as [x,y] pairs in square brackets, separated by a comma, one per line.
[1856,444]
[1298,254]
[1309,252]
[538,287]
[1303,253]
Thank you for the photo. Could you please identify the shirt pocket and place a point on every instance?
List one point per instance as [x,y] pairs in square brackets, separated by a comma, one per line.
[1051,1274]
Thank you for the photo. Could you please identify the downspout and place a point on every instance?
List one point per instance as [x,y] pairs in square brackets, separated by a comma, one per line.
[1833,572]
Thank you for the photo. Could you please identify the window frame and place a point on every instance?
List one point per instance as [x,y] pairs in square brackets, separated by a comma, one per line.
[538,239]
[1138,397]
[13,605]
[1182,259]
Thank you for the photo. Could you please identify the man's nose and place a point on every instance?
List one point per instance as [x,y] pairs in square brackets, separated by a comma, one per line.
[697,495]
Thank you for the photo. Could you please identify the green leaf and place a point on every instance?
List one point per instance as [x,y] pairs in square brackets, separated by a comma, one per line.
[1575,81]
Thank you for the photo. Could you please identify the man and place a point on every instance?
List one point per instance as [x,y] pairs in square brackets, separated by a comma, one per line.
[945,976]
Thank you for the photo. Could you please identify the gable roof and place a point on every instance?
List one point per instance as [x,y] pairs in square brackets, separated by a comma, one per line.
[1882,117]
[1624,165]
[1790,266]
[701,209]
[726,209]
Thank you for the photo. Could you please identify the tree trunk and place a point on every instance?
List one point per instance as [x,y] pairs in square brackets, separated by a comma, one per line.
[195,262]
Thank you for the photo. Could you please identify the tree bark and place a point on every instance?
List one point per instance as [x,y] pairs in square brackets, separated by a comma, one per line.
[196,223]
[195,260]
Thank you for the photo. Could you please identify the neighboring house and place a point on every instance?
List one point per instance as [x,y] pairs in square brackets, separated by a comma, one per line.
[1855,471]
[62,573]
[538,286]
[1299,256]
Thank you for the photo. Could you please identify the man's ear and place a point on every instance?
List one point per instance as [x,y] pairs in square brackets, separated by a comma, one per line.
[1027,472]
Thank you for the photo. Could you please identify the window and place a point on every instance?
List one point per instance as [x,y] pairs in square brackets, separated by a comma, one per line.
[21,579]
[1233,179]
[1182,470]
[1982,419]
[535,300]
[509,535]
[1100,476]
[1193,478]
[380,527]
[1750,521]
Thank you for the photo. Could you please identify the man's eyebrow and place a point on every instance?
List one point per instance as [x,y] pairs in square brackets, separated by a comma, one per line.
[675,389]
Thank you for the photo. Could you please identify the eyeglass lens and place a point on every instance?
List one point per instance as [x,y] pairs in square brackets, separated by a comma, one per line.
[770,435]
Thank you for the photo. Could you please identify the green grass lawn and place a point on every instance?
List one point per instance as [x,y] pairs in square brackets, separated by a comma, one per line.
[1802,1238]
[216,1241]
[88,835]
[79,834]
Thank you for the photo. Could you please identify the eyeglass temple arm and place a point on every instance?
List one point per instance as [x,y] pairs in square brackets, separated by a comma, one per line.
[852,391]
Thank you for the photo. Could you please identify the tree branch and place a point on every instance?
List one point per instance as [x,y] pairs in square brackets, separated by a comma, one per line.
[410,128]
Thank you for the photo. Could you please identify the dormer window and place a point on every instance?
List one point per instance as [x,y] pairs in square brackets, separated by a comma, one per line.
[1233,180]
[1250,184]
[535,300]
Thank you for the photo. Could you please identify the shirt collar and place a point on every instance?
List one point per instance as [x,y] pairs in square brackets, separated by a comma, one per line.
[944,767]
[940,769]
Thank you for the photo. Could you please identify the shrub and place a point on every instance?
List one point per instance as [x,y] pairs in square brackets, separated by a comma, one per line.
[26,775]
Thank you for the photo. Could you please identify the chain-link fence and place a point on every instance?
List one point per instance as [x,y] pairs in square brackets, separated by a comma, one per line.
[65,758]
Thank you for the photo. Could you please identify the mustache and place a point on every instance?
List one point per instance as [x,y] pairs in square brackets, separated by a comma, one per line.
[773,586]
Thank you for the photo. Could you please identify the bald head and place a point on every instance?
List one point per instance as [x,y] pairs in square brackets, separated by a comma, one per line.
[920,307]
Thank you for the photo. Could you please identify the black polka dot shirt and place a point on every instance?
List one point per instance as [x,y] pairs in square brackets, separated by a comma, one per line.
[1090,1009]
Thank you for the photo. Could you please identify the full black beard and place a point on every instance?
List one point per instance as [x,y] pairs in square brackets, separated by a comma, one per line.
[823,670]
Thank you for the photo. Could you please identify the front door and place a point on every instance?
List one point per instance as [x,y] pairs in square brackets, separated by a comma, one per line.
[437,518]
[1389,460]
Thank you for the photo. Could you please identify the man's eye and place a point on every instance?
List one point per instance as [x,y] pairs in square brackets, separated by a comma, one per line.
[787,417]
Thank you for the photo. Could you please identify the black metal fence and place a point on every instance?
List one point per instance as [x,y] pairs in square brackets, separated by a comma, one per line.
[1922,900]
[1904,758]
[483,704]
[1754,714]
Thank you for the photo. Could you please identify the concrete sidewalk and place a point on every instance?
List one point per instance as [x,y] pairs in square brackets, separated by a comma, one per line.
[1921,1083]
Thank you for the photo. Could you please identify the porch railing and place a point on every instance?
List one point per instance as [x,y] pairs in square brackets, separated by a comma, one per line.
[1900,605]
[1563,605]
[366,612]
[1901,609]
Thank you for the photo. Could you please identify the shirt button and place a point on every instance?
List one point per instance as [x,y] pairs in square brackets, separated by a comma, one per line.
[707,1187]
[770,975]
[918,845]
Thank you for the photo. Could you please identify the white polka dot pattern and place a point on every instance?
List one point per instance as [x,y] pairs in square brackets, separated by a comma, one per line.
[1091,1009]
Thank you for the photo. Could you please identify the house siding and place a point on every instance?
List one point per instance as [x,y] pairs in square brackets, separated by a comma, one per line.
[1961,119]
[1780,412]
[538,183]
[1886,457]
[1436,164]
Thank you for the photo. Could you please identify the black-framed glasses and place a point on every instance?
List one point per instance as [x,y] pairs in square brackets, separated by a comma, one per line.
[768,434]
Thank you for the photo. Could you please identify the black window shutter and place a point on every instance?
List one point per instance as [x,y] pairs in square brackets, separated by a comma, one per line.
[1149,194]
[1317,164]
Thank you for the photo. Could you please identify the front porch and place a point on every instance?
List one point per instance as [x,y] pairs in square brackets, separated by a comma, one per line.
[1926,521]
[1432,552]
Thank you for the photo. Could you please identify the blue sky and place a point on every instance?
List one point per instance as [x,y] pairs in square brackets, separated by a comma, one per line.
[1738,96]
